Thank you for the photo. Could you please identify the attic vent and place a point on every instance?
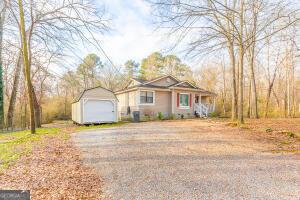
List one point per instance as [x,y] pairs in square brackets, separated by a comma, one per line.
[168,80]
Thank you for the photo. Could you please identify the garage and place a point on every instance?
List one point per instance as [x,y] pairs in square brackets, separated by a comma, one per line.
[94,106]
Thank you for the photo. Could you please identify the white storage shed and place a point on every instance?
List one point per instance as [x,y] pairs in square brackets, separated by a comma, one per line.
[95,105]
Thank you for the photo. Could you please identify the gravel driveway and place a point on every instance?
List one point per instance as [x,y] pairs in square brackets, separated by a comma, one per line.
[190,159]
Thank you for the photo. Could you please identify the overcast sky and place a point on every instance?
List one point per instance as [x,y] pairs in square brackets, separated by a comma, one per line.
[133,34]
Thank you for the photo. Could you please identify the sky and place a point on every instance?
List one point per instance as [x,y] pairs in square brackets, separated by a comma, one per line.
[133,34]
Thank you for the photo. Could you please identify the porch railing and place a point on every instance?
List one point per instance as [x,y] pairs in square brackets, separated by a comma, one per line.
[203,109]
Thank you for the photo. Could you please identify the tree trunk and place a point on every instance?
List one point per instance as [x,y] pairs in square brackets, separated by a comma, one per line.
[37,110]
[241,88]
[270,89]
[268,100]
[224,91]
[65,102]
[13,96]
[241,67]
[2,16]
[276,98]
[249,103]
[27,67]
[254,109]
[234,93]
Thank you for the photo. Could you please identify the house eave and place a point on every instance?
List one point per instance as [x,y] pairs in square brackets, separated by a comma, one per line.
[195,90]
[142,88]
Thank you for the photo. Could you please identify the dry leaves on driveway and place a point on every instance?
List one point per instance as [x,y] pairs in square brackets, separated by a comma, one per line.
[53,170]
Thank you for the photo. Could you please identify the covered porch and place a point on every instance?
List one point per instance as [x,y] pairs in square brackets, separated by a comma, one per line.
[189,102]
[204,104]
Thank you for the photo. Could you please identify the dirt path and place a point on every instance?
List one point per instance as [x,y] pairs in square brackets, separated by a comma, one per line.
[190,159]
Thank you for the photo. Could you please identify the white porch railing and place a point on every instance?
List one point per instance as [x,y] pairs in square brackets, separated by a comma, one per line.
[203,109]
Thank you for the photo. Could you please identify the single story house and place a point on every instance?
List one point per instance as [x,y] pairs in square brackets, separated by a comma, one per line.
[166,95]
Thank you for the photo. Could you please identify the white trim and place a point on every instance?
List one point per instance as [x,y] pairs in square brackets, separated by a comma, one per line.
[114,101]
[126,90]
[184,107]
[185,82]
[142,88]
[154,89]
[146,104]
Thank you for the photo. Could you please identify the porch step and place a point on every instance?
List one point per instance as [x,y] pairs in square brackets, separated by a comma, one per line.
[201,110]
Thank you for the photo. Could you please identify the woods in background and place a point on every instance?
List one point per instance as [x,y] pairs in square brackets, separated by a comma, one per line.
[247,52]
[240,29]
[51,28]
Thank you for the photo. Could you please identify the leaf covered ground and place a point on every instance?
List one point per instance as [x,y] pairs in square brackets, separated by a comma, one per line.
[283,132]
[16,144]
[53,170]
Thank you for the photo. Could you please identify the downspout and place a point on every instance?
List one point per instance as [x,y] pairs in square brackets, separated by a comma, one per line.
[172,102]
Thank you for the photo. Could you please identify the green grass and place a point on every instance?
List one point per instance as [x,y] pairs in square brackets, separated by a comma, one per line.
[80,128]
[286,151]
[13,145]
[291,134]
[285,142]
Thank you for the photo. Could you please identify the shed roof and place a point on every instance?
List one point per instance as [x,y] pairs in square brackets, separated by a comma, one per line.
[82,93]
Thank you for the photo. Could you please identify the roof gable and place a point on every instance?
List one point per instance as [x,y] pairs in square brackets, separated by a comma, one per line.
[185,84]
[164,81]
[134,82]
[95,92]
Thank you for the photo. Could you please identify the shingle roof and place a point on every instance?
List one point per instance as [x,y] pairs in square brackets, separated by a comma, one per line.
[81,94]
[139,80]
[148,84]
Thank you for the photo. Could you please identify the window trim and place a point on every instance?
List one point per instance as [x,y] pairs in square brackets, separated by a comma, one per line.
[146,104]
[185,107]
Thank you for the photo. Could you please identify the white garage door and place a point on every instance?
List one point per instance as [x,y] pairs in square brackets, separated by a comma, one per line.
[98,111]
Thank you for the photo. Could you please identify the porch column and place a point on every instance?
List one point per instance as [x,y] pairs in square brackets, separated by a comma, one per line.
[137,100]
[200,97]
[200,102]
[214,105]
[172,101]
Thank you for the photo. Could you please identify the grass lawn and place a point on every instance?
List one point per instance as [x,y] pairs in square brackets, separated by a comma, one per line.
[13,145]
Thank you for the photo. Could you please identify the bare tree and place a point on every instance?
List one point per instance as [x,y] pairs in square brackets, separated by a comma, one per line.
[13,96]
[54,27]
[27,67]
[3,7]
[209,26]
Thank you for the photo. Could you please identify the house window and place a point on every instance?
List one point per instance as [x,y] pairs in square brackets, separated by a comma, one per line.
[146,97]
[184,100]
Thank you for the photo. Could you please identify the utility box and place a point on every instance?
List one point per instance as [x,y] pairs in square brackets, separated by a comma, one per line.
[136,116]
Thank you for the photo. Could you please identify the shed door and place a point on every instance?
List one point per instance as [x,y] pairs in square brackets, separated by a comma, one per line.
[98,111]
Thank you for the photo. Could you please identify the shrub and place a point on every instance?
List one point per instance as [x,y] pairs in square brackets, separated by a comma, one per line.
[289,133]
[171,116]
[145,118]
[160,116]
[214,114]
[126,118]
[268,130]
